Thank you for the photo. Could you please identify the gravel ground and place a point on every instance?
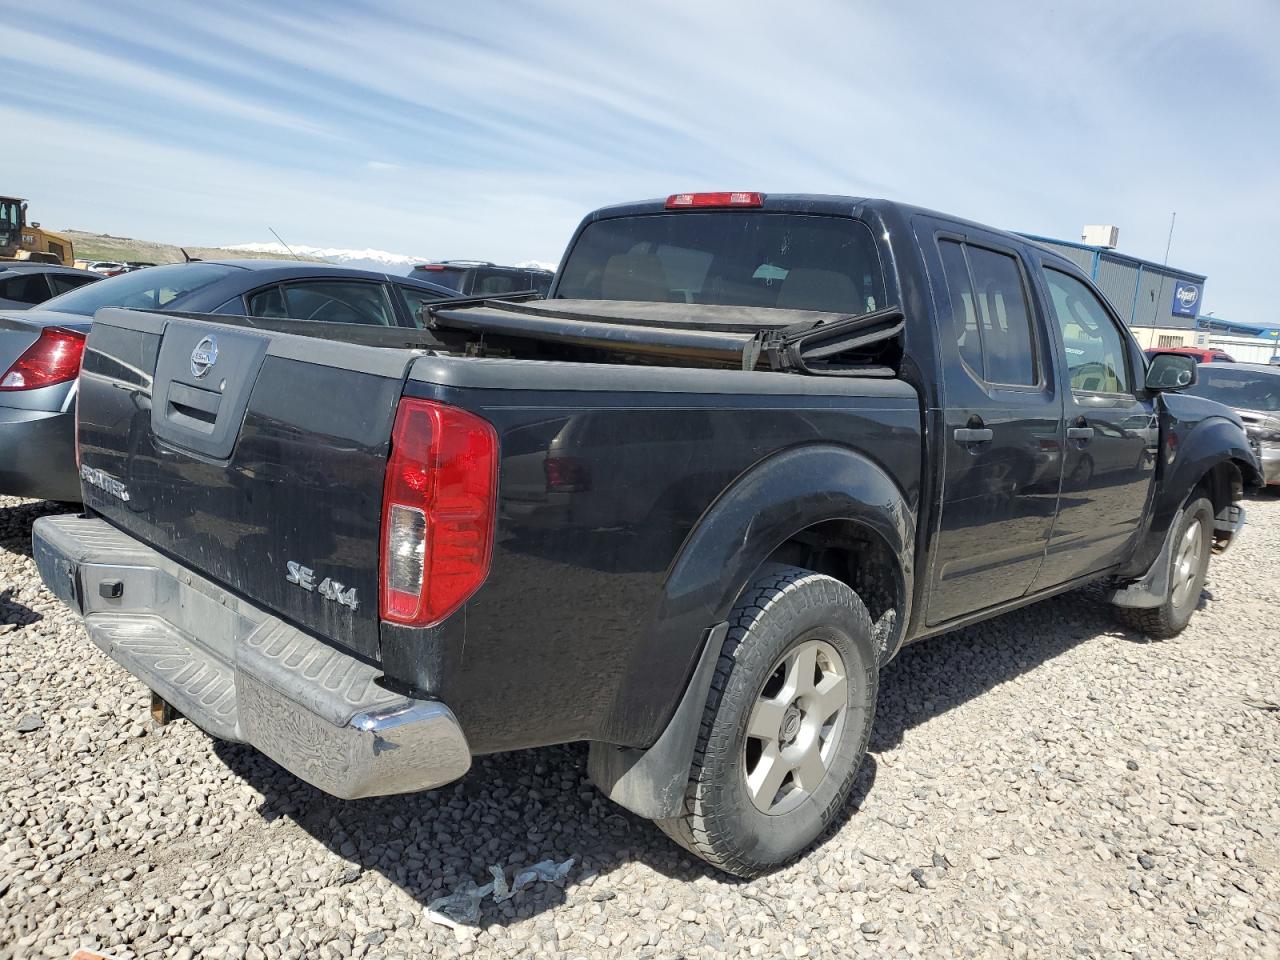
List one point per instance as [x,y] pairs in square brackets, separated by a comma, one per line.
[1045,785]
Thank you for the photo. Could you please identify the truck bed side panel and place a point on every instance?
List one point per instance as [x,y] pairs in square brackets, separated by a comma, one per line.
[600,484]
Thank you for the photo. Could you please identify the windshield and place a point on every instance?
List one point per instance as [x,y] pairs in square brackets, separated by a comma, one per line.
[154,288]
[1240,389]
[788,261]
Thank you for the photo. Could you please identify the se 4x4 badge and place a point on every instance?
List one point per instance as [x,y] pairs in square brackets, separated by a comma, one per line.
[328,588]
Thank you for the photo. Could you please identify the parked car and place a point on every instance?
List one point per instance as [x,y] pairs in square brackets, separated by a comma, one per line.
[475,278]
[1201,354]
[23,285]
[870,432]
[106,268]
[1252,390]
[40,348]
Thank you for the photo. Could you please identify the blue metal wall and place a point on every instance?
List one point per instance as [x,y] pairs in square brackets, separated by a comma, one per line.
[1141,291]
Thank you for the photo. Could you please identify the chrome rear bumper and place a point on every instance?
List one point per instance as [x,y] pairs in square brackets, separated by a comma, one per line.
[241,674]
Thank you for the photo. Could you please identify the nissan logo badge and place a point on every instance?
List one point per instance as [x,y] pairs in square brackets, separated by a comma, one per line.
[204,356]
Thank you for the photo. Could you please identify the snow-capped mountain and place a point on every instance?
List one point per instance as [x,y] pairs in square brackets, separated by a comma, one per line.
[368,259]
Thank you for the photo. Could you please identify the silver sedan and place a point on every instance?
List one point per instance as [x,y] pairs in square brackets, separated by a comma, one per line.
[1253,391]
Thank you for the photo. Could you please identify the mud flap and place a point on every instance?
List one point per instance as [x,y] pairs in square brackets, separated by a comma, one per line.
[651,783]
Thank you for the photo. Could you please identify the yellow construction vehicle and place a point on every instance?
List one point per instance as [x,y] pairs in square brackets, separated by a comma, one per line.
[20,240]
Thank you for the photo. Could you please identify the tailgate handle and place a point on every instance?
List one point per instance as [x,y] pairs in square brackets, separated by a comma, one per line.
[192,407]
[198,414]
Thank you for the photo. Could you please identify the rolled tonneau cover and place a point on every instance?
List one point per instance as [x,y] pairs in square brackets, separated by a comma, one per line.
[741,337]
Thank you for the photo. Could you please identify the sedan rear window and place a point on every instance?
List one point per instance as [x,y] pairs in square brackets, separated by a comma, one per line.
[154,288]
[757,259]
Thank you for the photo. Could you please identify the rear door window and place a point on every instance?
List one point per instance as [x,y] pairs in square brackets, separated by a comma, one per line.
[25,288]
[325,301]
[991,315]
[267,303]
[414,299]
[62,282]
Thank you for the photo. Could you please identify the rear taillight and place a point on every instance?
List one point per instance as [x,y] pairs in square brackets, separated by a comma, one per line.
[438,505]
[53,358]
[678,201]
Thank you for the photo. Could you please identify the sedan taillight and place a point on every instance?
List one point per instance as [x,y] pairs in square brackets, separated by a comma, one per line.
[54,358]
[438,506]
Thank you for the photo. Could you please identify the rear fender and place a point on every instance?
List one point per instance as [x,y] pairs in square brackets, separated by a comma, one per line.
[779,497]
[783,495]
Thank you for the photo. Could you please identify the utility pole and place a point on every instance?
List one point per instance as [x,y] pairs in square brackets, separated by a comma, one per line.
[1164,275]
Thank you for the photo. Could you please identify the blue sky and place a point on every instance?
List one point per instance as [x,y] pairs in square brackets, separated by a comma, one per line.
[487,129]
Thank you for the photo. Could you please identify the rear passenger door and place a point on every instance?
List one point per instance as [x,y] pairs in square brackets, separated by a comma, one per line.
[1111,438]
[1003,423]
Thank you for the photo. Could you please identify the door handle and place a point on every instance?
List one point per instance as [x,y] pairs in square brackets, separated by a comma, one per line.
[1079,433]
[973,435]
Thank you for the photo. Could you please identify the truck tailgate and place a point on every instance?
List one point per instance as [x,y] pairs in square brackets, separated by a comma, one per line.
[249,455]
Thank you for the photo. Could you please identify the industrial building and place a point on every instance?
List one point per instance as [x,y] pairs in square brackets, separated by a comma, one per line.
[1160,303]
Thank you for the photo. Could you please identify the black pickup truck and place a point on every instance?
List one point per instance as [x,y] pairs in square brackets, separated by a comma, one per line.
[684,509]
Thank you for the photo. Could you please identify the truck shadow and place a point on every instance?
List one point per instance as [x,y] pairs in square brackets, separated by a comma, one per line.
[16,521]
[14,613]
[519,808]
[932,676]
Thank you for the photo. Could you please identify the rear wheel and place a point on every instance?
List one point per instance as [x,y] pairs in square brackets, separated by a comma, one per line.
[786,723]
[1188,569]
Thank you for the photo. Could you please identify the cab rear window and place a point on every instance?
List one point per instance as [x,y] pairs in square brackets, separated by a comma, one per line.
[738,258]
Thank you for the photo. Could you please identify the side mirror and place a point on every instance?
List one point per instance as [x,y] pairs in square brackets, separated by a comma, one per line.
[1171,371]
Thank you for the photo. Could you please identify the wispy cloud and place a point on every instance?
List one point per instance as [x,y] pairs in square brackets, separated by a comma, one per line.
[486,129]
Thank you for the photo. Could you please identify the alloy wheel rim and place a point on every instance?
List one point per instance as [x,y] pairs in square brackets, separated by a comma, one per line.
[1186,565]
[795,726]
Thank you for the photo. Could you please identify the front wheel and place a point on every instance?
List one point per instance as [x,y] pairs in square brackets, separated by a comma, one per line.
[786,724]
[1189,567]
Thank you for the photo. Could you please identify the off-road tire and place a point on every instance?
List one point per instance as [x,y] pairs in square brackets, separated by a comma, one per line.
[782,608]
[1169,619]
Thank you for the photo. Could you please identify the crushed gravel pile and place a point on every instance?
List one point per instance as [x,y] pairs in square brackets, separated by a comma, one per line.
[1046,785]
